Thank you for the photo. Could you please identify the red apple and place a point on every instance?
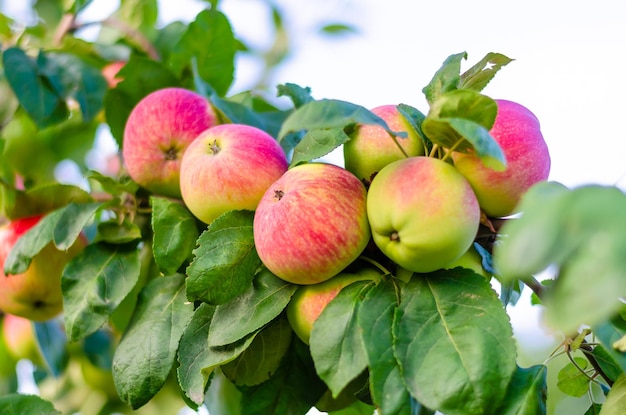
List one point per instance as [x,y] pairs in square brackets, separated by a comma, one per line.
[371,148]
[19,337]
[158,131]
[311,223]
[309,301]
[517,131]
[229,167]
[35,294]
[423,213]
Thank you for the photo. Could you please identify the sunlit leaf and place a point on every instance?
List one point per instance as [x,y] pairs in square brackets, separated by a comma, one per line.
[19,404]
[616,399]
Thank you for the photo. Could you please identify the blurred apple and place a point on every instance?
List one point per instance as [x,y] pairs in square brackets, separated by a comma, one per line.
[517,131]
[19,336]
[371,148]
[311,223]
[229,167]
[309,301]
[110,72]
[36,293]
[158,131]
[423,213]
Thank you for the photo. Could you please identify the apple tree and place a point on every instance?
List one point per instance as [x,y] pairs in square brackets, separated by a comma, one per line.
[276,282]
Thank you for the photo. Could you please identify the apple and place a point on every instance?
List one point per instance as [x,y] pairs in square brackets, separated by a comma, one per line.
[158,131]
[35,294]
[471,259]
[516,129]
[422,212]
[20,340]
[308,302]
[7,360]
[371,148]
[110,71]
[311,223]
[229,167]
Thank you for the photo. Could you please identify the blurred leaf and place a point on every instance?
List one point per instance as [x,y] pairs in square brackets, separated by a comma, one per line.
[298,95]
[198,360]
[335,29]
[454,341]
[594,409]
[139,14]
[527,392]
[446,79]
[146,353]
[375,318]
[318,143]
[478,76]
[174,234]
[210,42]
[5,26]
[616,399]
[336,345]
[52,342]
[225,260]
[114,187]
[19,404]
[263,301]
[571,380]
[293,389]
[262,358]
[76,6]
[167,39]
[94,283]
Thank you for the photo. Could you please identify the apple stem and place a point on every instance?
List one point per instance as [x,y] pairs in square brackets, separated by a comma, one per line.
[395,140]
[377,264]
[433,150]
[452,149]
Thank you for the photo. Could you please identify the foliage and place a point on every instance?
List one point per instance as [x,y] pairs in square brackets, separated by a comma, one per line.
[173,313]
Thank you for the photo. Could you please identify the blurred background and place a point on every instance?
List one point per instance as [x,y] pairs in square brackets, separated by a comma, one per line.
[568,68]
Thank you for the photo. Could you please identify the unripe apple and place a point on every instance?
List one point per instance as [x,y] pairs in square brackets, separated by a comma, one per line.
[229,167]
[517,131]
[35,294]
[471,259]
[311,223]
[158,131]
[371,148]
[19,337]
[422,212]
[308,302]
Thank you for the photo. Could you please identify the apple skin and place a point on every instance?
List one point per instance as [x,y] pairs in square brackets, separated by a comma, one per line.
[110,71]
[423,213]
[311,223]
[370,147]
[517,131]
[19,337]
[158,131]
[471,259]
[308,302]
[229,167]
[35,294]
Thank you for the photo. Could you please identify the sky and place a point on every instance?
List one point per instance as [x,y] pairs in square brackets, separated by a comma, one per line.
[568,69]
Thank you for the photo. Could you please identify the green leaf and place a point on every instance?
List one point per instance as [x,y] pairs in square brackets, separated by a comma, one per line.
[225,260]
[52,343]
[62,226]
[318,143]
[263,357]
[239,113]
[375,318]
[478,76]
[174,234]
[113,232]
[209,40]
[19,404]
[34,88]
[263,301]
[616,399]
[146,353]
[293,389]
[446,79]
[527,391]
[415,118]
[94,283]
[594,409]
[42,199]
[139,14]
[608,333]
[336,345]
[298,95]
[115,187]
[454,341]
[75,6]
[571,380]
[606,362]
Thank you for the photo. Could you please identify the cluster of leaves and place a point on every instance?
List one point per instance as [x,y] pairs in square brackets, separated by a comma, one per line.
[179,303]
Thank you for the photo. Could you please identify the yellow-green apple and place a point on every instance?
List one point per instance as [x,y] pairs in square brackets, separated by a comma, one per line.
[158,131]
[471,259]
[308,302]
[19,337]
[7,360]
[311,223]
[229,167]
[371,148]
[36,293]
[516,129]
[422,212]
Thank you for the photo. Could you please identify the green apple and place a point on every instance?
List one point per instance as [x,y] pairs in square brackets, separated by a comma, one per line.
[229,167]
[471,259]
[311,223]
[371,148]
[517,131]
[422,212]
[309,301]
[35,294]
